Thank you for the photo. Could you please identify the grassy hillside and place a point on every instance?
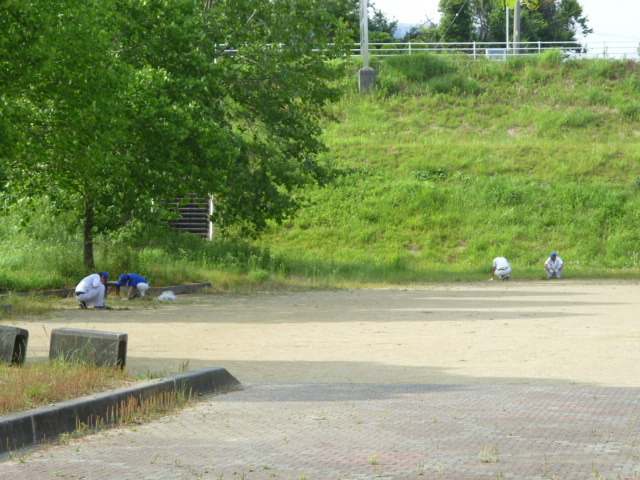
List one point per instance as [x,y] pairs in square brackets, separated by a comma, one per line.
[454,162]
[451,163]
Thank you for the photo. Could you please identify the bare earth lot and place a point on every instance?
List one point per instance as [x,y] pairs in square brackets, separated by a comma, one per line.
[474,381]
[529,333]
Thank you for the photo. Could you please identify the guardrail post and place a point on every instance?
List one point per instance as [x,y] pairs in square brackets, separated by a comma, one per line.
[73,345]
[13,344]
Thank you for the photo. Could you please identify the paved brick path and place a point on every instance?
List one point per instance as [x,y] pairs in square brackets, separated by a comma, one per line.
[365,431]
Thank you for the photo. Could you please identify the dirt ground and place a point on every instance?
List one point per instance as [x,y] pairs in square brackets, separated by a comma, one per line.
[519,332]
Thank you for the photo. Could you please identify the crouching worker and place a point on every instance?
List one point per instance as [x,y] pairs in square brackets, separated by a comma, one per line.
[137,284]
[501,269]
[554,266]
[92,290]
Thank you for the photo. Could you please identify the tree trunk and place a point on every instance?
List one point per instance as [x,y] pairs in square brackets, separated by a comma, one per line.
[88,236]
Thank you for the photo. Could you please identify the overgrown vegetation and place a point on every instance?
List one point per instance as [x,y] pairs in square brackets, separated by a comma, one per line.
[43,383]
[452,162]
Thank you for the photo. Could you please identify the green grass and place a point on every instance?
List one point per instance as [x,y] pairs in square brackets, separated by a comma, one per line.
[536,155]
[451,163]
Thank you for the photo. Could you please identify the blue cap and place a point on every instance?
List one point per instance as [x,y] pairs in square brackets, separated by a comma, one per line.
[554,254]
[106,275]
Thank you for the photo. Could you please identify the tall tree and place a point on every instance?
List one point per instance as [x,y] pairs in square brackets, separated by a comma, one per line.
[542,20]
[113,106]
[427,32]
[481,11]
[564,21]
[347,12]
[66,105]
[381,29]
[456,23]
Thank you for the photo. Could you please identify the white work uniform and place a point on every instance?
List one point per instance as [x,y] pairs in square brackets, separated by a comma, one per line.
[503,269]
[91,290]
[142,288]
[553,267]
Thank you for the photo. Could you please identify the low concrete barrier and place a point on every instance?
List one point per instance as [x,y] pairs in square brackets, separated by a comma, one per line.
[69,292]
[91,346]
[13,344]
[46,423]
[178,289]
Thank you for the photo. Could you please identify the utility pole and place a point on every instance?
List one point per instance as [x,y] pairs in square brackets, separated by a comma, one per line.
[364,32]
[507,39]
[366,75]
[517,13]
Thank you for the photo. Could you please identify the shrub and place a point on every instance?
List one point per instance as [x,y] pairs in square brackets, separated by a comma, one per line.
[630,110]
[490,70]
[518,62]
[390,82]
[534,74]
[609,69]
[420,67]
[550,57]
[598,96]
[451,83]
[631,84]
[578,118]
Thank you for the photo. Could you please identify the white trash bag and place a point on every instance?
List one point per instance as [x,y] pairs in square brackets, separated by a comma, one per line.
[168,295]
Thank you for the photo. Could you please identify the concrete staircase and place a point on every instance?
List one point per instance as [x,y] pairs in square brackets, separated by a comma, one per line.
[194,217]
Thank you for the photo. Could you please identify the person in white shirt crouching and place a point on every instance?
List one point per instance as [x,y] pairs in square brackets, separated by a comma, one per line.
[501,269]
[91,291]
[554,266]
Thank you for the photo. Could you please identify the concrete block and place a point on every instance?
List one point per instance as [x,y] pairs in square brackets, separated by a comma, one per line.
[13,344]
[367,79]
[90,346]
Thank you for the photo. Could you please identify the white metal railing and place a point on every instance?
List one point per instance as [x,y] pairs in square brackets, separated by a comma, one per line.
[609,49]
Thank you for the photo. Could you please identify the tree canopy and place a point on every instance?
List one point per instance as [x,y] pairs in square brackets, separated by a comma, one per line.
[108,108]
[456,23]
[484,20]
[381,29]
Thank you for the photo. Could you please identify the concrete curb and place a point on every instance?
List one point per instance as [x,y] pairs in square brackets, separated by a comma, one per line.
[46,423]
[178,289]
[68,292]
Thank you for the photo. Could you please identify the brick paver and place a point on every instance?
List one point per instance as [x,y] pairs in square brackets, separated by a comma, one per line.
[366,431]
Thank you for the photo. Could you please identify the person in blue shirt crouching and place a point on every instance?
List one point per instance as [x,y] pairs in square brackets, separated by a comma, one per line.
[137,284]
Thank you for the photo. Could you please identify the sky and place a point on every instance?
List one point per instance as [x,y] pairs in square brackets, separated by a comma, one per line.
[611,20]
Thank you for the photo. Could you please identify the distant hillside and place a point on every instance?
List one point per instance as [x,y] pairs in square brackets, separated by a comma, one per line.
[403,28]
